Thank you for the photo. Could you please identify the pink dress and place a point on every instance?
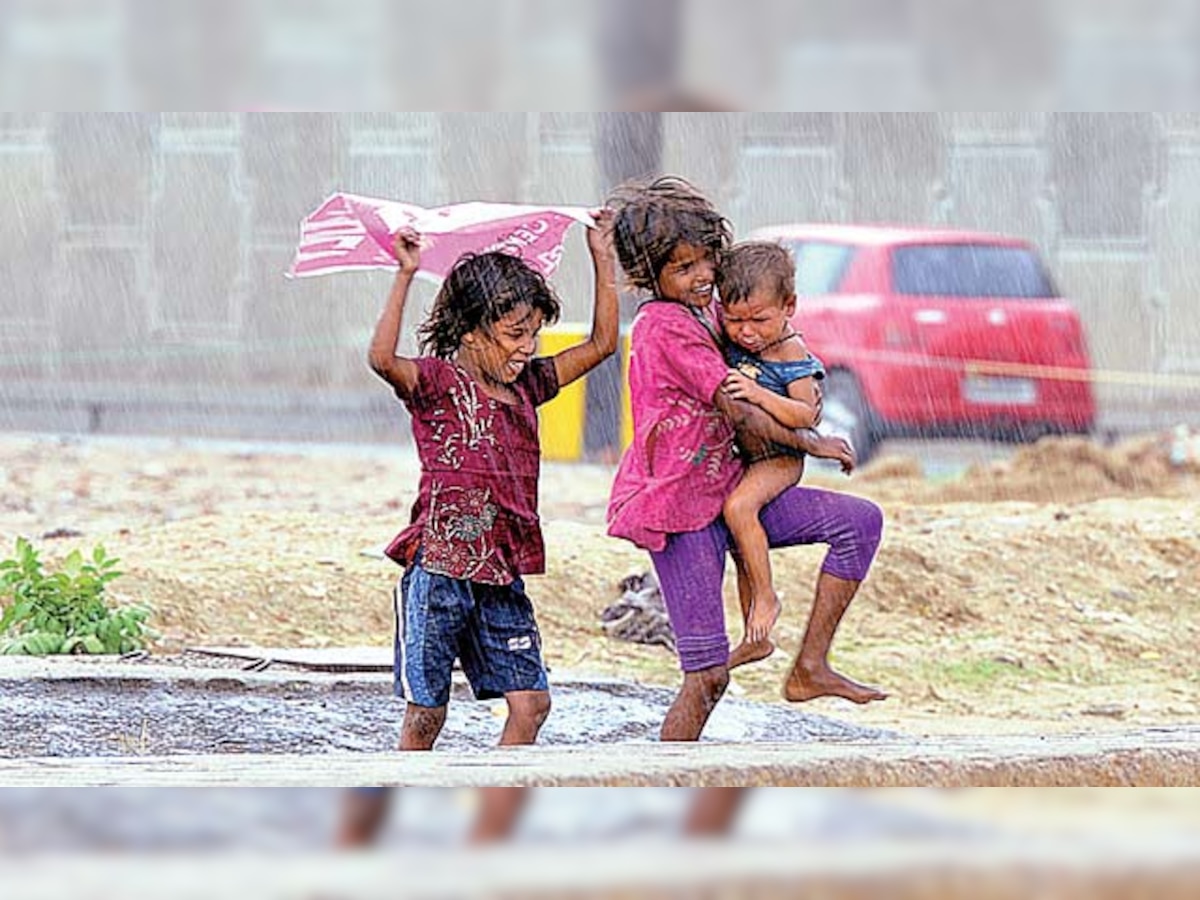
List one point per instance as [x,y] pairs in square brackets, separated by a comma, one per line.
[682,463]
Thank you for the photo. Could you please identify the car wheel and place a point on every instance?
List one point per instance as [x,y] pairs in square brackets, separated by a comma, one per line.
[847,414]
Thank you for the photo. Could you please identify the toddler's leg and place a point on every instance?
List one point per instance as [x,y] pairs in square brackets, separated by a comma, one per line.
[747,651]
[762,483]
[743,587]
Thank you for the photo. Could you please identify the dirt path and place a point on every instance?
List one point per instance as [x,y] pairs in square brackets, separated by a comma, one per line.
[1055,591]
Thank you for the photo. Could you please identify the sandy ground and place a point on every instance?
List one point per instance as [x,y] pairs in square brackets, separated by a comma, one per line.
[1058,590]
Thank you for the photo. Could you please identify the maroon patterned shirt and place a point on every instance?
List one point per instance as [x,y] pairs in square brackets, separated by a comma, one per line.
[476,516]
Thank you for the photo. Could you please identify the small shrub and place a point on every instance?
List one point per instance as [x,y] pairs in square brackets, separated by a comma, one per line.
[65,611]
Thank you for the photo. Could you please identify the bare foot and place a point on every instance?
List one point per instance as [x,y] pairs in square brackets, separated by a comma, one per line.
[764,612]
[749,652]
[804,685]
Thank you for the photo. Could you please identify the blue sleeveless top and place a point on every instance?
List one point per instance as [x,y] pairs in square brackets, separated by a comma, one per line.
[774,376]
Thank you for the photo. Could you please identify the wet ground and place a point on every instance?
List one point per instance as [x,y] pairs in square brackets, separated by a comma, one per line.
[132,710]
[223,711]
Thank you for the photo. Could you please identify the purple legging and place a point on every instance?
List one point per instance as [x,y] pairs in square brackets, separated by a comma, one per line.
[692,565]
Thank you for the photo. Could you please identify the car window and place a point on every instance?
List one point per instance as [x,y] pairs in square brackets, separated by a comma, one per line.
[969,270]
[820,266]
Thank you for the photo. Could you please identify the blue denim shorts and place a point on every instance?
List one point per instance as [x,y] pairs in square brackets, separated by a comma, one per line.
[489,628]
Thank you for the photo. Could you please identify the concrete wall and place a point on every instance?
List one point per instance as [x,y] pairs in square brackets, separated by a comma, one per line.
[144,252]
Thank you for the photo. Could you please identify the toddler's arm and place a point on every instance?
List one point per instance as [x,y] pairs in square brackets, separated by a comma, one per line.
[800,409]
[577,361]
[398,371]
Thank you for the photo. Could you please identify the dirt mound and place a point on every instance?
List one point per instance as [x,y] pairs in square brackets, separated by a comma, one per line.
[1053,470]
[891,468]
[1070,468]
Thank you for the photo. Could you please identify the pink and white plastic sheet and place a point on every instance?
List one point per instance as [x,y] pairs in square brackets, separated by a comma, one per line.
[349,232]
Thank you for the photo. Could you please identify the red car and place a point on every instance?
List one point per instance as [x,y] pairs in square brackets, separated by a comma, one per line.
[927,332]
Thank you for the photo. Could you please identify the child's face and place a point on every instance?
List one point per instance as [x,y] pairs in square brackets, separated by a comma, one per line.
[761,319]
[501,351]
[688,275]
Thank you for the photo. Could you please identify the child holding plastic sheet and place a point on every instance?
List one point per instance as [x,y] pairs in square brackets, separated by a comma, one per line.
[473,397]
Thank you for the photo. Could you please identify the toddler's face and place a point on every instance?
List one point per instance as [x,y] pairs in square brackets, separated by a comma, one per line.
[688,275]
[759,320]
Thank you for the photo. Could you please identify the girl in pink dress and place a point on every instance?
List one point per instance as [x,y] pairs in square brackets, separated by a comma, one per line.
[673,480]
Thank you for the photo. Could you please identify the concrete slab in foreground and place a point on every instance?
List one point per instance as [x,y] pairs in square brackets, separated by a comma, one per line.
[1138,759]
[1002,870]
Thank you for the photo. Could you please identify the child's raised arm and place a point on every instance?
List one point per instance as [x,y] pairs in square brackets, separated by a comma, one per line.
[398,371]
[577,361]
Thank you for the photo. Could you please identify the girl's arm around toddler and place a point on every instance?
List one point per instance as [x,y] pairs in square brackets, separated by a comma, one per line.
[577,361]
[747,417]
[398,371]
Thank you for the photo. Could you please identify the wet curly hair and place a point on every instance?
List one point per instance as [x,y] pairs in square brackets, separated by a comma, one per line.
[756,264]
[480,290]
[651,218]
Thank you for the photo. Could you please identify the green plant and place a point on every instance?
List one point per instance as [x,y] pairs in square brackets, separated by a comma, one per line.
[65,611]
